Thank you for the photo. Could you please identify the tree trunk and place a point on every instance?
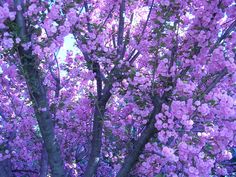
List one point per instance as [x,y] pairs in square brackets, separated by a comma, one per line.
[94,156]
[5,168]
[43,163]
[38,95]
[132,158]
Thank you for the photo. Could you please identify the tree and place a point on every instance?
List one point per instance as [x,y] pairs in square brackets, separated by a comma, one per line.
[147,90]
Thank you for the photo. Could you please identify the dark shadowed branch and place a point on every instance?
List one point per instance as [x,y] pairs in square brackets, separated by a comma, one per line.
[121,25]
[147,133]
[225,34]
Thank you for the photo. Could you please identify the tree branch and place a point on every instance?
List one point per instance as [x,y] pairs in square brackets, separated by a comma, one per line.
[24,171]
[148,132]
[141,36]
[88,23]
[127,38]
[121,26]
[57,80]
[208,89]
[103,24]
[224,36]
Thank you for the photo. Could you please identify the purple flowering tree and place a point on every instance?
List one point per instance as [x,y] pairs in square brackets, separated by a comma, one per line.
[149,88]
